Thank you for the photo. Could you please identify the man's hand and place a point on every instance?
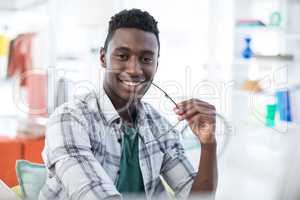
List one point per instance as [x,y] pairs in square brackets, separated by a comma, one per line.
[201,117]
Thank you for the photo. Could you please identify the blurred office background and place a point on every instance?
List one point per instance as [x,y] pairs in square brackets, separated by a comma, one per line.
[243,56]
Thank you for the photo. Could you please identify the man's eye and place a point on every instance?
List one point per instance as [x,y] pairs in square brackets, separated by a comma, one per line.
[122,57]
[147,60]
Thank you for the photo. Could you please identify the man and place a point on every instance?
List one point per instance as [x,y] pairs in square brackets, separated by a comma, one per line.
[112,144]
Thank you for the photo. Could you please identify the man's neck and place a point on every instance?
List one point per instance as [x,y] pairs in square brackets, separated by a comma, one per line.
[127,111]
[129,115]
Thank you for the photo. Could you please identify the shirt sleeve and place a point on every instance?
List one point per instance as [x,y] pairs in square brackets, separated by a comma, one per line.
[177,170]
[69,157]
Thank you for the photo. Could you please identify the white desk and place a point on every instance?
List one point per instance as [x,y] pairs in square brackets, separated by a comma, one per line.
[260,163]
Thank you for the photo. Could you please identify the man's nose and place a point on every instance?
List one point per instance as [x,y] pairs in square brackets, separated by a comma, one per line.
[134,67]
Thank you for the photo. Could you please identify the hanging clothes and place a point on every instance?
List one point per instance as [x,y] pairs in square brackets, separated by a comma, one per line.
[20,58]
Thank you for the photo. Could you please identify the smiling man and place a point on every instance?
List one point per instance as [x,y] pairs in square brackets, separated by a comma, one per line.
[111,144]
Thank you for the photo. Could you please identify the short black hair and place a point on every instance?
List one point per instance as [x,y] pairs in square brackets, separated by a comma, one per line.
[133,18]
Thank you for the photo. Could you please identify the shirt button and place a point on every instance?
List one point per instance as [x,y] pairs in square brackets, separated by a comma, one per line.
[118,172]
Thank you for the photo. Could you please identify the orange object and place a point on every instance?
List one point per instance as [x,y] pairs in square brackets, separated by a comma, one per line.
[33,149]
[252,86]
[10,151]
[15,149]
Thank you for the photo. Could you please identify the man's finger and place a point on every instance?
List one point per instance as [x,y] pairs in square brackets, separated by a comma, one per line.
[202,112]
[202,118]
[199,107]
[191,103]
[193,100]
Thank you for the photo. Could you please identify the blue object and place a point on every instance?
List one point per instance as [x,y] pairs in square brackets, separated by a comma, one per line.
[31,177]
[247,53]
[284,105]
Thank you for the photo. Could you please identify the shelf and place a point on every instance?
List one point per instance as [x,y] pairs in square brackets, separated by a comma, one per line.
[282,57]
[260,28]
[271,92]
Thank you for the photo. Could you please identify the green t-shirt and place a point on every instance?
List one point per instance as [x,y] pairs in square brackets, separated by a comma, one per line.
[130,179]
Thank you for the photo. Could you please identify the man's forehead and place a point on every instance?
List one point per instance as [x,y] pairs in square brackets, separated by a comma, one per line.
[134,38]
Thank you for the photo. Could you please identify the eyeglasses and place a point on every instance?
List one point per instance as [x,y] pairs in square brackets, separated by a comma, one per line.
[222,138]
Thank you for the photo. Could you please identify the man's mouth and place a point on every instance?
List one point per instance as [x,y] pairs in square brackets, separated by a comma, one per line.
[131,83]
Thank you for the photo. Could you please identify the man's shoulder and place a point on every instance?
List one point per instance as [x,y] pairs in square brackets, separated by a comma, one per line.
[79,105]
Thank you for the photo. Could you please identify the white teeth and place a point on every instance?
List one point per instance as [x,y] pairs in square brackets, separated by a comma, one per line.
[131,83]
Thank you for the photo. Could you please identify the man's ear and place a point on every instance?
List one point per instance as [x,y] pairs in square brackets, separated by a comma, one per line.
[156,66]
[102,57]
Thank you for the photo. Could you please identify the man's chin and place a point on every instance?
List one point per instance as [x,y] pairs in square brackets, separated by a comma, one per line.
[131,97]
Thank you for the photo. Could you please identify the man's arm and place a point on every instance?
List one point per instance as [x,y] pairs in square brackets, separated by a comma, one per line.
[201,117]
[69,157]
[207,177]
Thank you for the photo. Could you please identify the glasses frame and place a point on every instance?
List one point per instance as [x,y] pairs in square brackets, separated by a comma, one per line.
[229,129]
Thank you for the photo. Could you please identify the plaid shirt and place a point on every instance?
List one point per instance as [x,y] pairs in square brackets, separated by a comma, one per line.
[83,150]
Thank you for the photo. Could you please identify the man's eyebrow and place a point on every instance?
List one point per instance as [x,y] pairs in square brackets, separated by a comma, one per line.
[122,49]
[148,52]
[145,51]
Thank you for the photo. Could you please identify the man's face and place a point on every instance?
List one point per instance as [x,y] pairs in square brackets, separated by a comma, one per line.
[130,61]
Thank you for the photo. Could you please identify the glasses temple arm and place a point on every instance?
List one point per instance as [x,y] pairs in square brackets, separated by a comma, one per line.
[165,94]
